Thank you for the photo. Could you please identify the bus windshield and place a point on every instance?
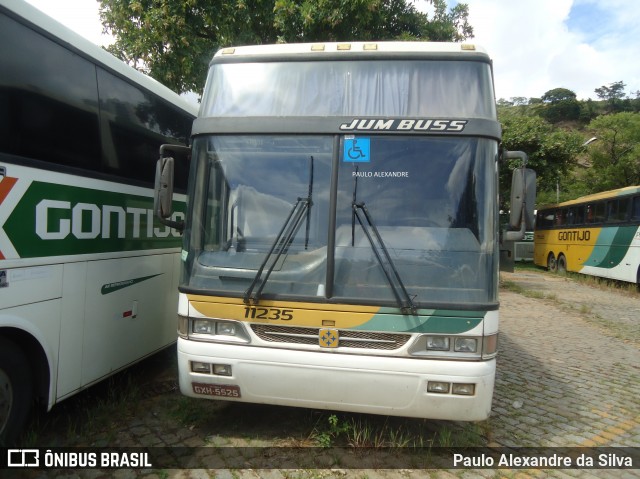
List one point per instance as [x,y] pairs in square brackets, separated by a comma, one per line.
[430,199]
[342,88]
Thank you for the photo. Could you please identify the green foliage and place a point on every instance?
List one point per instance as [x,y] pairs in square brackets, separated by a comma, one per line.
[553,136]
[174,40]
[560,104]
[552,151]
[613,94]
[327,436]
[615,157]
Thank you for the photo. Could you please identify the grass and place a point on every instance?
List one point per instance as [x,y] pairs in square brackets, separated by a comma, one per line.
[361,430]
[97,413]
[595,281]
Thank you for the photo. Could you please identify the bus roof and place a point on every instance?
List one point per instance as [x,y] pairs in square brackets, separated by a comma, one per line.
[629,190]
[81,45]
[347,48]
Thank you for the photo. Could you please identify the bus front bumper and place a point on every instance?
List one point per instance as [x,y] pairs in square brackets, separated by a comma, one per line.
[340,382]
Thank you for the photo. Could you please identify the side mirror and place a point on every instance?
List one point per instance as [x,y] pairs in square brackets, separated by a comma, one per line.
[523,198]
[163,192]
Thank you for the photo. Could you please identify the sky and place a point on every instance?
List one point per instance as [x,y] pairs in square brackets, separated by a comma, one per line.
[536,45]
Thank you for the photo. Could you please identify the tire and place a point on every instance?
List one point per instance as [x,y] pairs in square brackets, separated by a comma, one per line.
[561,264]
[552,264]
[16,392]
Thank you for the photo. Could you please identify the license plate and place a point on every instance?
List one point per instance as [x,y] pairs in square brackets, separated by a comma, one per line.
[219,390]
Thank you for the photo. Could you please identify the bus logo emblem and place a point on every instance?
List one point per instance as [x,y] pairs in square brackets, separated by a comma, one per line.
[329,338]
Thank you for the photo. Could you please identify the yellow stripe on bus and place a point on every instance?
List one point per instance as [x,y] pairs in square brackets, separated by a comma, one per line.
[284,312]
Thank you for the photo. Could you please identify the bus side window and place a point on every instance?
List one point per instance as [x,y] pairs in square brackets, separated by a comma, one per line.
[612,211]
[617,210]
[579,215]
[44,117]
[623,209]
[599,213]
[635,209]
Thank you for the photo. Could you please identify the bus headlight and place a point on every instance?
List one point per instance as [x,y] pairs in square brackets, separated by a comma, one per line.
[226,328]
[203,326]
[217,330]
[438,343]
[442,346]
[465,345]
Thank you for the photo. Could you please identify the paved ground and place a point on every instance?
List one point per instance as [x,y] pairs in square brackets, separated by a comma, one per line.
[568,375]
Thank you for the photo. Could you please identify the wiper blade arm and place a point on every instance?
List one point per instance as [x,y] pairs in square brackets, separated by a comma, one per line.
[279,247]
[384,259]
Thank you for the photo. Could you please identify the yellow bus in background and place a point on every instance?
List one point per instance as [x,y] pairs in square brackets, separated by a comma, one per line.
[597,234]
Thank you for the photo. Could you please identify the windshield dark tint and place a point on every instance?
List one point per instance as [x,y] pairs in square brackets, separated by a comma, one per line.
[430,88]
[430,200]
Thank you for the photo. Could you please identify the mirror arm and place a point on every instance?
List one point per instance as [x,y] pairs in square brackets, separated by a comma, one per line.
[182,151]
[516,155]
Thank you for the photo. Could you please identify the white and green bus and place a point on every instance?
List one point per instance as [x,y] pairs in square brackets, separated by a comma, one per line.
[341,241]
[86,275]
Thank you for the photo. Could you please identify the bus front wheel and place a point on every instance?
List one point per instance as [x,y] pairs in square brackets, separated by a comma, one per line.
[552,264]
[16,389]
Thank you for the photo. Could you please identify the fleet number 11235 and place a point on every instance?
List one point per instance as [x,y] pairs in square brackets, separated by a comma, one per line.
[274,314]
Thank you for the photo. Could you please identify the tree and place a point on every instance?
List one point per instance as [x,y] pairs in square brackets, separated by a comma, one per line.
[560,104]
[552,152]
[174,40]
[612,94]
[615,157]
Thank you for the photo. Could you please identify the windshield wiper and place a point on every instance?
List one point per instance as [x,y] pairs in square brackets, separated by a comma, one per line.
[283,241]
[381,253]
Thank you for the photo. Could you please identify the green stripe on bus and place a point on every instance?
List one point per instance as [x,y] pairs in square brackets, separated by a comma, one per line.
[616,242]
[54,220]
[427,321]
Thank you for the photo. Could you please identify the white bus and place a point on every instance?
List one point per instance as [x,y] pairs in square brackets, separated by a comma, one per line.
[85,274]
[341,239]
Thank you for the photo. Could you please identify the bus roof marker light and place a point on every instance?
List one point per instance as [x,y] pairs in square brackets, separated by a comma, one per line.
[228,51]
[370,46]
[317,48]
[343,46]
[468,47]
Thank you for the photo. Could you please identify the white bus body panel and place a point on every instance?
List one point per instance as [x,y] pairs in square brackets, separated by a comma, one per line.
[367,384]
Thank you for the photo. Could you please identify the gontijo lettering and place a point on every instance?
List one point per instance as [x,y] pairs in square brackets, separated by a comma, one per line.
[99,221]
[578,235]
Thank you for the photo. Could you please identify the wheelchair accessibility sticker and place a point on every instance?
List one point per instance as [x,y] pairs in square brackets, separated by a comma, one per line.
[357,150]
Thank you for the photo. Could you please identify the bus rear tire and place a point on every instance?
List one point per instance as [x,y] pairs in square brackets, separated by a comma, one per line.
[552,264]
[16,392]
[561,264]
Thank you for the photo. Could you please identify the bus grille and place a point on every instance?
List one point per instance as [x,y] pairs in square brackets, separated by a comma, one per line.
[348,338]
